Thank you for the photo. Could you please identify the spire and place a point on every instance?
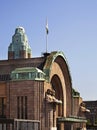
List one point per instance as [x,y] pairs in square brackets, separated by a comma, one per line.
[19,48]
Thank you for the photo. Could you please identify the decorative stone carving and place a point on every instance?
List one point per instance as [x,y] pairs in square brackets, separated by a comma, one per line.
[83,108]
[50,97]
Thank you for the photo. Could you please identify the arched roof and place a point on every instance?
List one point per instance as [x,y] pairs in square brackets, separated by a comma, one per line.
[52,58]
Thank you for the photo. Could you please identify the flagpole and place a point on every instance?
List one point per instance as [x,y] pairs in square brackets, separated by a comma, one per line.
[46,41]
[46,35]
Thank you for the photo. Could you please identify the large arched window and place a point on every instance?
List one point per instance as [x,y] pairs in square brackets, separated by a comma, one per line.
[57,86]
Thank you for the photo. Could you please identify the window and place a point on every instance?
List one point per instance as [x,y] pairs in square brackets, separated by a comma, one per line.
[22,107]
[38,75]
[23,75]
[2,107]
[32,75]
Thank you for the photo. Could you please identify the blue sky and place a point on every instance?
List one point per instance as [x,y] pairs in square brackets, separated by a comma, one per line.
[72,29]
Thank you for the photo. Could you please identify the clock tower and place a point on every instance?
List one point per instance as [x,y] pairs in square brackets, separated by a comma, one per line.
[19,48]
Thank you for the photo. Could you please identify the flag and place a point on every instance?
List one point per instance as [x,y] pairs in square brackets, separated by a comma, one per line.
[47,31]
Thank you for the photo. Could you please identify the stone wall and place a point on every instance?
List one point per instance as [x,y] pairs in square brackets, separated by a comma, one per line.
[32,92]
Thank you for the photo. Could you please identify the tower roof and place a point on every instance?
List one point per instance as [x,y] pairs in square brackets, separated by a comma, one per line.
[19,30]
[19,48]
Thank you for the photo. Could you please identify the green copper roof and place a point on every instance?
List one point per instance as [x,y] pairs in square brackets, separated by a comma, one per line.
[28,73]
[75,93]
[26,69]
[19,42]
